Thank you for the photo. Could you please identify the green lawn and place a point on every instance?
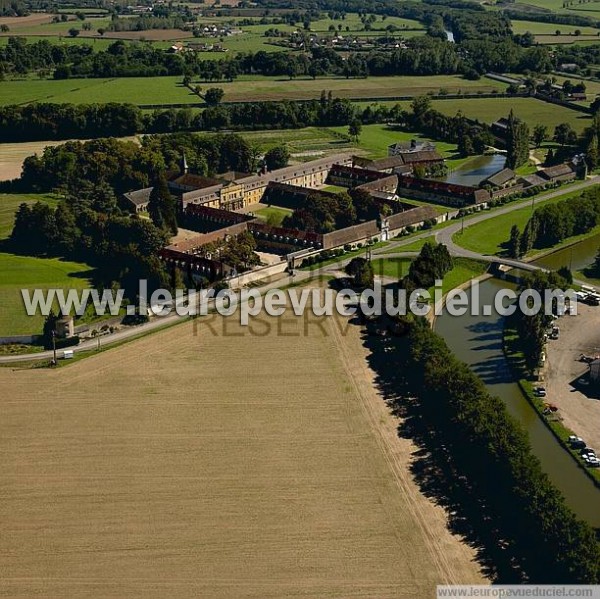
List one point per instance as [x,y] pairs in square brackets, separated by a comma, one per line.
[550,28]
[97,43]
[463,270]
[415,246]
[274,215]
[532,111]
[375,140]
[591,9]
[169,90]
[488,236]
[57,28]
[136,90]
[488,110]
[20,272]
[395,268]
[261,88]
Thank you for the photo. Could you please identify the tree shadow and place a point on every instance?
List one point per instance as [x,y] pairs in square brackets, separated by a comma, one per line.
[433,466]
[94,275]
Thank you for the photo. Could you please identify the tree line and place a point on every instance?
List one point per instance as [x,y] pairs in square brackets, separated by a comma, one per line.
[423,55]
[552,223]
[71,121]
[490,467]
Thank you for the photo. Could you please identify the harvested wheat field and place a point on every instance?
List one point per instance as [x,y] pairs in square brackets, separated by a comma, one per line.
[215,465]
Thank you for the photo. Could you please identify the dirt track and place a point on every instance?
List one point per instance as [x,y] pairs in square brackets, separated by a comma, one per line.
[578,334]
[217,466]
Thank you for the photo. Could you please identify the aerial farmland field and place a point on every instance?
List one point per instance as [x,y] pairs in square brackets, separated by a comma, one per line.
[159,478]
[169,90]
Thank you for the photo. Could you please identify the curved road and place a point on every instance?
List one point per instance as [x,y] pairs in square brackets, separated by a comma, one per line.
[441,236]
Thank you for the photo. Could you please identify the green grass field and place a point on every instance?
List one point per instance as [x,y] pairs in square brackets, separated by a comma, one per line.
[261,88]
[20,272]
[168,90]
[550,28]
[97,43]
[274,215]
[415,246]
[56,29]
[464,270]
[529,109]
[591,9]
[136,90]
[375,140]
[488,237]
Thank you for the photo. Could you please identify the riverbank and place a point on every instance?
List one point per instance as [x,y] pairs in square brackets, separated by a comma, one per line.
[575,416]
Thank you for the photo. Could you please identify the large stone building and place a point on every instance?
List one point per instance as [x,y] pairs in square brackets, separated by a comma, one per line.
[238,193]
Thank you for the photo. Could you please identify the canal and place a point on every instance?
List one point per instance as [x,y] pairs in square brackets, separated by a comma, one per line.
[577,256]
[477,340]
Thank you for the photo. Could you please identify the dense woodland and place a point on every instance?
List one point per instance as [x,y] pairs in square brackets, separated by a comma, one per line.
[69,121]
[125,165]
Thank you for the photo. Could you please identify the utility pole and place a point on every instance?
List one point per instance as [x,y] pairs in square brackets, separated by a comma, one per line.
[462,228]
[54,348]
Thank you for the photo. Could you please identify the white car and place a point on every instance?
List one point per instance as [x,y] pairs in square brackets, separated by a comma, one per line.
[591,462]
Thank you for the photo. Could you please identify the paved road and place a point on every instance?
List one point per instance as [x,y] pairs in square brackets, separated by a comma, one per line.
[445,235]
[442,236]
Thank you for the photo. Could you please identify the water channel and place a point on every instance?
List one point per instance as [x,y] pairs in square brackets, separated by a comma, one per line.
[477,340]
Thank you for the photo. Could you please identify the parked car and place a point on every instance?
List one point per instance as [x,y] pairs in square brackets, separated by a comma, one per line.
[587,451]
[539,392]
[592,461]
[577,442]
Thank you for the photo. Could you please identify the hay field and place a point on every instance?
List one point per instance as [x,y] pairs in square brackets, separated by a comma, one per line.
[215,466]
